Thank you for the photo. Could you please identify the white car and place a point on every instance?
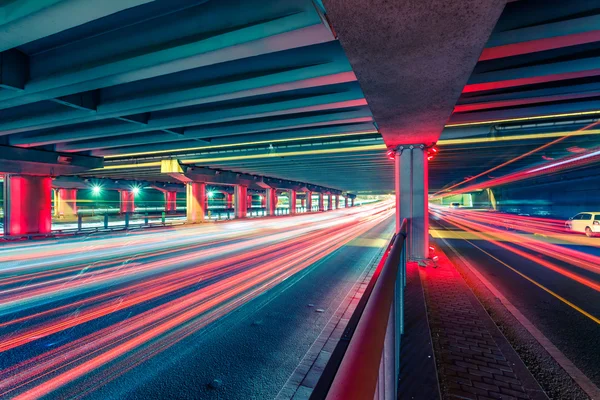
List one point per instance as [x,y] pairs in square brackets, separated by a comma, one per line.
[585,222]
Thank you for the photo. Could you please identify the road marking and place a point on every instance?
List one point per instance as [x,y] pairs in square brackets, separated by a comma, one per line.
[575,373]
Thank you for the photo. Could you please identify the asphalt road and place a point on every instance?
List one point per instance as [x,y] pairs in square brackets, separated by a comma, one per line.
[222,310]
[557,290]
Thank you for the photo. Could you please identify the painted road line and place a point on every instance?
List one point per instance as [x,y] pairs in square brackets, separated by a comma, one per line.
[575,373]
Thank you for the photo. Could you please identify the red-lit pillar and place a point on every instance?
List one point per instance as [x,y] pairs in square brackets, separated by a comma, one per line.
[27,204]
[229,200]
[249,201]
[293,201]
[127,201]
[263,201]
[195,201]
[412,199]
[271,198]
[321,202]
[347,201]
[170,201]
[241,198]
[337,201]
[303,202]
[65,203]
[329,202]
[309,201]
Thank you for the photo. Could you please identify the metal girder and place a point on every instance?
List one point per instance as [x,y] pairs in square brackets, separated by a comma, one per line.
[523,112]
[14,67]
[39,162]
[542,38]
[24,21]
[163,142]
[333,101]
[183,40]
[513,77]
[203,91]
[286,128]
[86,101]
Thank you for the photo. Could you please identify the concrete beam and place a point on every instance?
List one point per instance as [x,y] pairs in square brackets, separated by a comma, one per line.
[397,49]
[39,162]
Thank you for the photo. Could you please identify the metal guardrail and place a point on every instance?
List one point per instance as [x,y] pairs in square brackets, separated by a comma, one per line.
[366,361]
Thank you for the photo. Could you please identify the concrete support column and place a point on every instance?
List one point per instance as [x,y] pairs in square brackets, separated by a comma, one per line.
[321,202]
[65,204]
[309,201]
[195,201]
[263,201]
[271,198]
[329,202]
[170,201]
[352,202]
[347,203]
[337,201]
[293,198]
[229,200]
[127,201]
[412,200]
[249,201]
[241,198]
[27,204]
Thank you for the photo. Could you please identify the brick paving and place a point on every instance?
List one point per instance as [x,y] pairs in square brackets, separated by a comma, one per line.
[474,360]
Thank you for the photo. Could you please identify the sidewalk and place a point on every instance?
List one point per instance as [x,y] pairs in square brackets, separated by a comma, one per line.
[474,360]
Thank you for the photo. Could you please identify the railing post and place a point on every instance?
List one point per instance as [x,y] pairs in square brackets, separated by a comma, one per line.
[79,222]
[105,221]
[126,220]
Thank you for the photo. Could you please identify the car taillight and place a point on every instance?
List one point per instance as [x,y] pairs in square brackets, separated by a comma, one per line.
[596,222]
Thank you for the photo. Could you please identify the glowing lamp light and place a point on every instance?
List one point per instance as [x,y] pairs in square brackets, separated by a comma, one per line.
[210,195]
[96,190]
[391,155]
[135,190]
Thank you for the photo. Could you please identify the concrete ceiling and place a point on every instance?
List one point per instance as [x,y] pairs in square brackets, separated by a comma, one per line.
[264,87]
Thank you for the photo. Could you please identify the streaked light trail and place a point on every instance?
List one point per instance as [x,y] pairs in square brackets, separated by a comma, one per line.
[145,292]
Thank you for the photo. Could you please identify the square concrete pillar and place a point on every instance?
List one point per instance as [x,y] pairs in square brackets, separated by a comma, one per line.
[170,201]
[321,202]
[412,200]
[241,198]
[347,202]
[309,201]
[127,201]
[27,204]
[292,201]
[329,202]
[65,204]
[337,201]
[195,201]
[271,198]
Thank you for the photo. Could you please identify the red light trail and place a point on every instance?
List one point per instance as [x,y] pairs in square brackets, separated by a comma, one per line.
[172,284]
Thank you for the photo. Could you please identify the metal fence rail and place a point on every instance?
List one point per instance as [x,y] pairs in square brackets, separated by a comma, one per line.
[365,362]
